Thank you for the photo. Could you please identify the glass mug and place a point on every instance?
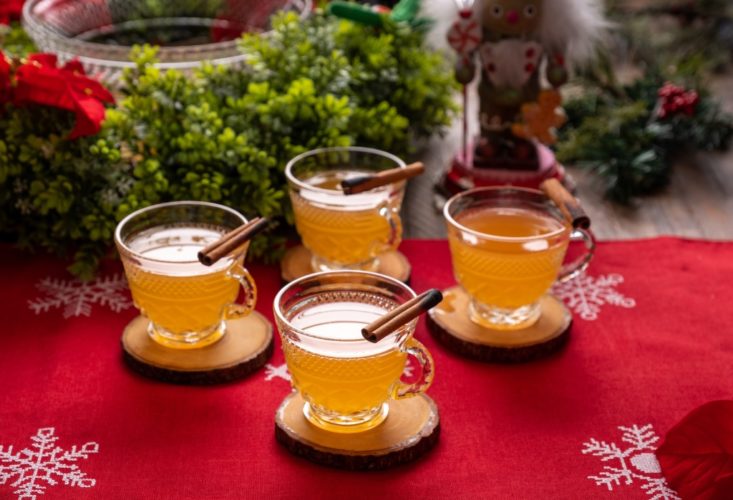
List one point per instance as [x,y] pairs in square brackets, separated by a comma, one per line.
[187,303]
[345,380]
[344,231]
[508,246]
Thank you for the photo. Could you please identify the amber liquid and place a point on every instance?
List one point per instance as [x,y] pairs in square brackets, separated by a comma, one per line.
[186,301]
[343,230]
[343,380]
[505,273]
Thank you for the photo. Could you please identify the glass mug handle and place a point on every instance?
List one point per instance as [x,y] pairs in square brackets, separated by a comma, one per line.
[572,269]
[235,310]
[416,349]
[395,227]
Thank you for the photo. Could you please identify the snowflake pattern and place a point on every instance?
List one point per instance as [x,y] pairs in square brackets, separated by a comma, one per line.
[272,371]
[77,297]
[636,462]
[586,294]
[44,465]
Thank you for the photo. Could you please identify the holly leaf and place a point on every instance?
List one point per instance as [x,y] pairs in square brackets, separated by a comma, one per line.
[697,454]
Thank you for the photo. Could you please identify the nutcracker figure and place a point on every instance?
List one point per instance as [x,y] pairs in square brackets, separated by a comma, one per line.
[521,51]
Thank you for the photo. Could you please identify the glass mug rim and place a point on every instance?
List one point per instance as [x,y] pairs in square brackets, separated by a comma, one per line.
[493,190]
[280,316]
[292,179]
[128,252]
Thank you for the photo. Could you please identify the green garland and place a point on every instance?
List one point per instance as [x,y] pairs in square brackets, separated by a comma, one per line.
[615,130]
[223,135]
[620,137]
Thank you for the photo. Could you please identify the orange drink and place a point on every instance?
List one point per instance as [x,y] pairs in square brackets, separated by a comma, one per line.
[187,303]
[508,246]
[346,380]
[508,274]
[344,231]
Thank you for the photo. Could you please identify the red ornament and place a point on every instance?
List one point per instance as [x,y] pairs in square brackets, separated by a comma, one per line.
[674,99]
[529,67]
[697,454]
[10,10]
[40,81]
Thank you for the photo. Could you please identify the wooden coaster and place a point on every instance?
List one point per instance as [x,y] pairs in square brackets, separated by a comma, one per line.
[450,324]
[246,346]
[410,430]
[297,262]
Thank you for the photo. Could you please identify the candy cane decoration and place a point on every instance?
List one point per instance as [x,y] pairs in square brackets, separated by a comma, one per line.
[464,35]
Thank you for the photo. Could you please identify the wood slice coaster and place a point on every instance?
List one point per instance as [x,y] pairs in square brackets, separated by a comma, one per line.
[246,346]
[450,324]
[410,430]
[297,262]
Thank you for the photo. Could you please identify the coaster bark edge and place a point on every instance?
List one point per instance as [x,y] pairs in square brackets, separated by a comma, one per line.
[450,325]
[409,432]
[245,348]
[296,263]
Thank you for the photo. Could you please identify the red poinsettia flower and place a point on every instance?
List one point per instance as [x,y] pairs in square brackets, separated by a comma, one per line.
[697,454]
[10,10]
[41,81]
[4,78]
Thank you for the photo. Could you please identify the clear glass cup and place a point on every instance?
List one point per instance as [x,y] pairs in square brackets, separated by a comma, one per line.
[508,246]
[187,303]
[345,380]
[345,231]
[100,34]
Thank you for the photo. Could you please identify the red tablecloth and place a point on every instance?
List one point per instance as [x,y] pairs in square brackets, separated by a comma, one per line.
[651,341]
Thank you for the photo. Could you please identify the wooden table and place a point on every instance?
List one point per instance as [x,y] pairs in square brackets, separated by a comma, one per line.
[698,203]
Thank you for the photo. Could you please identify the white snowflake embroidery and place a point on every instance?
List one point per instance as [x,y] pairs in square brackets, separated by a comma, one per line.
[77,297]
[36,469]
[636,462]
[586,294]
[272,371]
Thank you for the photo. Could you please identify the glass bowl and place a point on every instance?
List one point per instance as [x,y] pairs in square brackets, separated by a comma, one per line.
[101,33]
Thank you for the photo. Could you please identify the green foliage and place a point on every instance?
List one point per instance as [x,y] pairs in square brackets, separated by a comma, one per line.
[55,194]
[221,135]
[14,41]
[618,135]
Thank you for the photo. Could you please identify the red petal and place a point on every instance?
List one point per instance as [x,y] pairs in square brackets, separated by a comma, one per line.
[74,66]
[697,453]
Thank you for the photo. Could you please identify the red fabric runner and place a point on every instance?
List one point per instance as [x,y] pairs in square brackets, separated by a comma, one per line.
[651,341]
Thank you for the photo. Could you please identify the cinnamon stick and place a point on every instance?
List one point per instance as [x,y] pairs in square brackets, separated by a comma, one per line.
[366,182]
[384,325]
[231,241]
[566,202]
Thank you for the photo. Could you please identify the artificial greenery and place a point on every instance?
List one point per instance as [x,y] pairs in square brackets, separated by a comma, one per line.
[221,135]
[618,133]
[615,129]
[14,41]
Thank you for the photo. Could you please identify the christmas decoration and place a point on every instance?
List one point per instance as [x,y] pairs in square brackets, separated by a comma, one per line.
[630,135]
[631,463]
[33,470]
[696,456]
[586,295]
[77,297]
[38,80]
[222,134]
[513,45]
